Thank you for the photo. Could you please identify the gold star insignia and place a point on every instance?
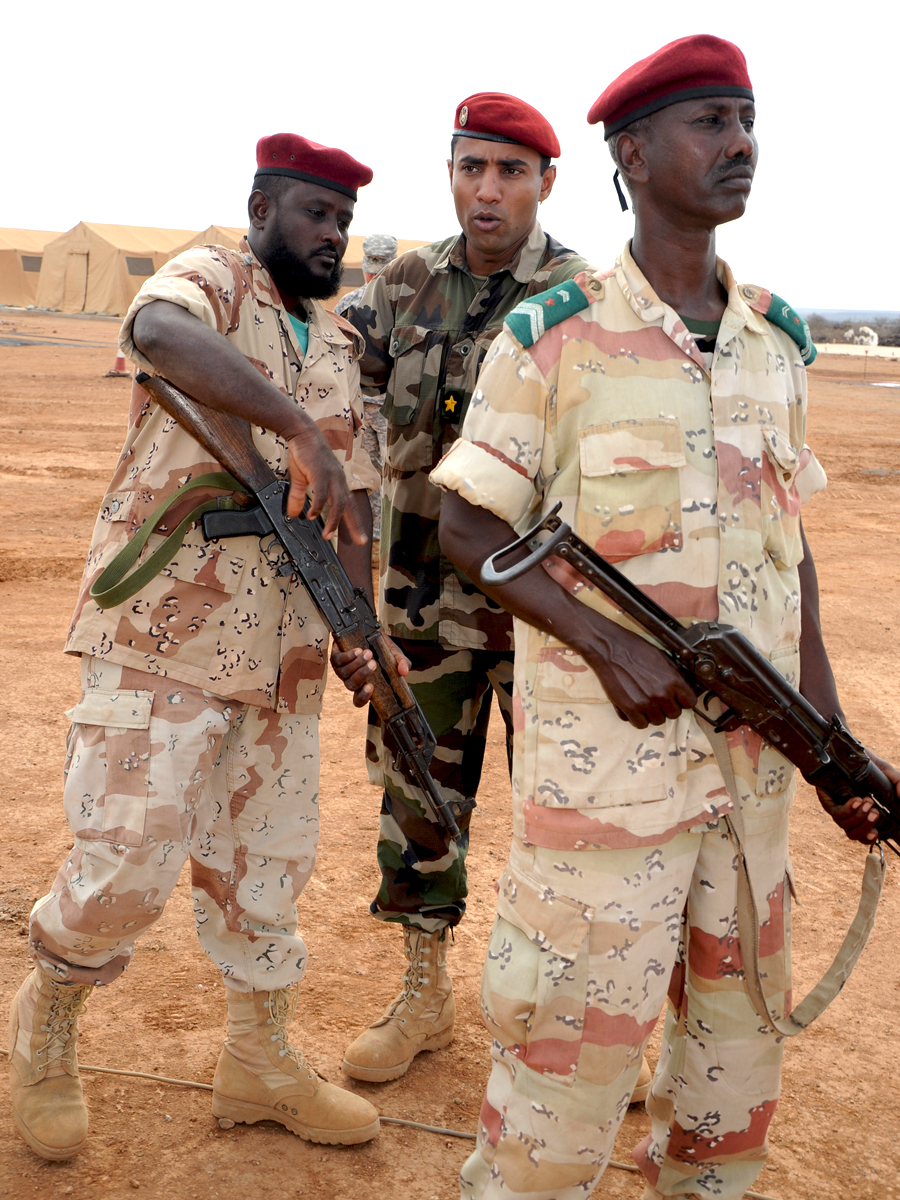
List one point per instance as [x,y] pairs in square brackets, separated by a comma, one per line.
[450,404]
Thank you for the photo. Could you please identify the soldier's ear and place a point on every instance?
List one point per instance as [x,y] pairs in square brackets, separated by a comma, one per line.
[450,170]
[258,208]
[547,182]
[631,159]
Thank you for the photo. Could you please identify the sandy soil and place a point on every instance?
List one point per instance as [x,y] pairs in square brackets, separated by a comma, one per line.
[836,1131]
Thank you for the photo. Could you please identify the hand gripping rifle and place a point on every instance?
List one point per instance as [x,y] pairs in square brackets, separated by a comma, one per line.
[717,660]
[344,609]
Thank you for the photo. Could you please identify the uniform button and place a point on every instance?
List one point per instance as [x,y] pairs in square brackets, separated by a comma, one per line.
[395,346]
[749,293]
[568,680]
[465,348]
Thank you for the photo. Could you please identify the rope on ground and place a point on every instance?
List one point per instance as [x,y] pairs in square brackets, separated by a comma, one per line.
[457,1133]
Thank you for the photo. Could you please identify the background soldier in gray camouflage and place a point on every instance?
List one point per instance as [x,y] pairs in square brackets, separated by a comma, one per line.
[378,250]
[428,321]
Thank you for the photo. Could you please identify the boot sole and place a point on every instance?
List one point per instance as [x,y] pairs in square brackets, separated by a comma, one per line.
[639,1095]
[385,1074]
[242,1112]
[50,1153]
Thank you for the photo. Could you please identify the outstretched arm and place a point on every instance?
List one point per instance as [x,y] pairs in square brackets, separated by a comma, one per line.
[637,677]
[858,818]
[207,367]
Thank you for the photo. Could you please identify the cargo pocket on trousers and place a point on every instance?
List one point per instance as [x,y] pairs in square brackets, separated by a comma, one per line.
[106,789]
[558,926]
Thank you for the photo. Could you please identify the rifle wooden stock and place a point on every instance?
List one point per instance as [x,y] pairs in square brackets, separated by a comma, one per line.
[226,437]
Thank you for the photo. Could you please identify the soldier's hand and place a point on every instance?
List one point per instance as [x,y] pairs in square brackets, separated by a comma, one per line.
[313,467]
[356,668]
[640,680]
[859,817]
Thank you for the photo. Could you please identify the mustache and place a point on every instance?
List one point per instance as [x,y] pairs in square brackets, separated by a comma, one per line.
[741,168]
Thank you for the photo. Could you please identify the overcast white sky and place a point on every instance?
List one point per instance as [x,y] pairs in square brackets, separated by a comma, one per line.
[148,114]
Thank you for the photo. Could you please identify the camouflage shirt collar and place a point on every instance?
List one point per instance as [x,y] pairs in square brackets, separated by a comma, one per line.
[648,306]
[522,268]
[265,291]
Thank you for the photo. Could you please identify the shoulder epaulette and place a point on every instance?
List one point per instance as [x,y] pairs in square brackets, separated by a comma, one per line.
[780,314]
[532,318]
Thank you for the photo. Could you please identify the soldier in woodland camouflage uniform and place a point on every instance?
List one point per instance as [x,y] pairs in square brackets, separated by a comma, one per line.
[428,320]
[665,408]
[378,250]
[196,735]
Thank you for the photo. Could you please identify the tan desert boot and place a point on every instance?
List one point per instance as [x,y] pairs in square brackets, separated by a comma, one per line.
[642,1087]
[261,1077]
[420,1018]
[47,1100]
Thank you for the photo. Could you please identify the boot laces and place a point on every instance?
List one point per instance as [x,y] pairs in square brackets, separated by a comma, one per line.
[66,1005]
[413,979]
[282,1005]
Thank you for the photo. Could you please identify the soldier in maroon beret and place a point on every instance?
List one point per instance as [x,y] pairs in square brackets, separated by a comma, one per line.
[662,407]
[196,736]
[428,320]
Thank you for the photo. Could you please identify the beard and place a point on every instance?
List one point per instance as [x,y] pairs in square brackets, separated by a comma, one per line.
[294,277]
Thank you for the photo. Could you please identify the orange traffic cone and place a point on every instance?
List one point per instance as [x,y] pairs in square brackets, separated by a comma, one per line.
[117,370]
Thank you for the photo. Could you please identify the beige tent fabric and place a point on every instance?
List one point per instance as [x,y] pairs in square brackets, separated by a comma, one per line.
[21,252]
[100,268]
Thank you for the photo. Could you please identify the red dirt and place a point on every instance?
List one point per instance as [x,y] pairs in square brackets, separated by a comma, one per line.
[836,1131]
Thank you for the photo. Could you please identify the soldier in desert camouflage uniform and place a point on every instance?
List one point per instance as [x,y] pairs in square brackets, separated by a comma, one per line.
[665,407]
[428,320]
[196,736]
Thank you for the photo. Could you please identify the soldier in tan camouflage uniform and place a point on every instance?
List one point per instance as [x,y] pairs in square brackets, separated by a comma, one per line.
[665,407]
[428,320]
[196,736]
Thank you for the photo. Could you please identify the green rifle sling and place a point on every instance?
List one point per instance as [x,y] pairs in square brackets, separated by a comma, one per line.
[111,587]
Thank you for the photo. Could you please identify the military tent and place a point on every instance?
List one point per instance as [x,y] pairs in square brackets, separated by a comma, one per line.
[21,252]
[99,268]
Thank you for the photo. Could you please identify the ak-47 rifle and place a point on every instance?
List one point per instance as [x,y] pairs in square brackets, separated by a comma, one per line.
[344,609]
[718,660]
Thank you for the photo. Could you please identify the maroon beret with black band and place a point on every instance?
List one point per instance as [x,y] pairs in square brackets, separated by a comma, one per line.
[497,117]
[688,69]
[298,158]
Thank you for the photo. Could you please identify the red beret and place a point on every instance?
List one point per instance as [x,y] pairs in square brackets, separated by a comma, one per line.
[297,157]
[501,118]
[689,69]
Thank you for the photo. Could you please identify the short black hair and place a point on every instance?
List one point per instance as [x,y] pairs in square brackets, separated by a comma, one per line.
[545,159]
[273,187]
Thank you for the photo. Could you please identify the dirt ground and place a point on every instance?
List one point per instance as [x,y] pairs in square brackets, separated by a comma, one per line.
[836,1131]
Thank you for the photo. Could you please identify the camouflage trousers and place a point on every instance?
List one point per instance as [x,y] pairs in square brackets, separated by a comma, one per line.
[584,948]
[423,878]
[158,772]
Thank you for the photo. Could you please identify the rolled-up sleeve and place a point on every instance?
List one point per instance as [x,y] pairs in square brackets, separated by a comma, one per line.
[196,280]
[504,451]
[811,477]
